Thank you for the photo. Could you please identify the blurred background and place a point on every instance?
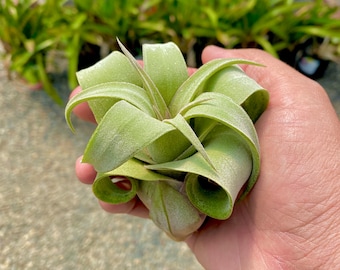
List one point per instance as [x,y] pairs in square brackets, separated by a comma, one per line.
[38,36]
[48,220]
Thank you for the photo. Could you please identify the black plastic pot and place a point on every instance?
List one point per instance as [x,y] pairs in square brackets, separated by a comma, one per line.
[89,55]
[311,65]
[305,60]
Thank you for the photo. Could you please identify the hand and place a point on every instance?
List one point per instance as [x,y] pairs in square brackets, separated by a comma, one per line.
[291,218]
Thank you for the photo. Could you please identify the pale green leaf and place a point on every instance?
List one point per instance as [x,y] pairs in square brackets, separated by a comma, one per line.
[182,125]
[214,192]
[106,190]
[224,110]
[134,168]
[165,65]
[174,145]
[168,147]
[155,96]
[234,83]
[113,68]
[234,117]
[206,126]
[169,209]
[110,93]
[196,83]
[123,132]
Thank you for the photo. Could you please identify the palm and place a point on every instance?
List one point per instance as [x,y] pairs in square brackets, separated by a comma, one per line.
[270,226]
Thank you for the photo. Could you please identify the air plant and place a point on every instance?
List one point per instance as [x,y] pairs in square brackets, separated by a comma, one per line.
[187,144]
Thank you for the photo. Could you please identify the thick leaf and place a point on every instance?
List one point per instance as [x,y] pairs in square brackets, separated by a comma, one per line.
[169,209]
[165,65]
[182,125]
[106,190]
[168,147]
[196,83]
[123,132]
[214,108]
[191,150]
[234,83]
[233,164]
[113,68]
[110,93]
[134,168]
[155,96]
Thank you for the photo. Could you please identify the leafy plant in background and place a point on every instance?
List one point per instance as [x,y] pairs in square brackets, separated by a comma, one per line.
[80,30]
[28,34]
[109,19]
[186,23]
[77,29]
[278,26]
[187,145]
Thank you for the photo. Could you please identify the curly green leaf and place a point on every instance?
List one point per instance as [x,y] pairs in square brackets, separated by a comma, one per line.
[123,132]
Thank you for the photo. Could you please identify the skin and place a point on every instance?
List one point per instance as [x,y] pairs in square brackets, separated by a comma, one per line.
[291,219]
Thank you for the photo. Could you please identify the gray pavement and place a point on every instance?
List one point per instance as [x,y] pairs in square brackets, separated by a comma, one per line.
[48,220]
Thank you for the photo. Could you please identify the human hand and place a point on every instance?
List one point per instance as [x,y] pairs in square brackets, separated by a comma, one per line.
[291,218]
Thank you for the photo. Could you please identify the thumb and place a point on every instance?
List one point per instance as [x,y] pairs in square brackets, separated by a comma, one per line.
[273,67]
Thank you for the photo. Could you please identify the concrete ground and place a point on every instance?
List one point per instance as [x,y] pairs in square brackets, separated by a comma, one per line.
[48,220]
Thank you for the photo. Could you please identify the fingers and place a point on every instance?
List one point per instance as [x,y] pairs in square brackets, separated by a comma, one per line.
[85,172]
[256,55]
[82,110]
[191,70]
[134,207]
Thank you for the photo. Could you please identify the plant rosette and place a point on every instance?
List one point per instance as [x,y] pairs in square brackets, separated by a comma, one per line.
[187,144]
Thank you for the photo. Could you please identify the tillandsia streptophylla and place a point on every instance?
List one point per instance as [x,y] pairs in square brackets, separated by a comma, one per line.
[187,144]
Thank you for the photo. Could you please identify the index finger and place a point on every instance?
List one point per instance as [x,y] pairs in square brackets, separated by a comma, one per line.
[82,110]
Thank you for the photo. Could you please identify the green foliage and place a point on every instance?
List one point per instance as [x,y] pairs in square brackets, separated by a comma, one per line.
[31,29]
[27,34]
[272,25]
